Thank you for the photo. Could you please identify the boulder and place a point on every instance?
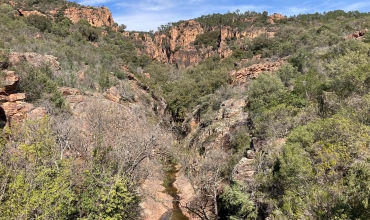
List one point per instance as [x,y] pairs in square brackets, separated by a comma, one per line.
[113,95]
[66,91]
[11,82]
[356,35]
[12,103]
[35,59]
[244,170]
[17,97]
[251,154]
[276,17]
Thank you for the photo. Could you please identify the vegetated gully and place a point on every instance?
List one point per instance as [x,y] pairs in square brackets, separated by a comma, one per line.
[170,189]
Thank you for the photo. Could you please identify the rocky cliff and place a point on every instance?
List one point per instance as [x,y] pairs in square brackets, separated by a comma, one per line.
[177,46]
[97,17]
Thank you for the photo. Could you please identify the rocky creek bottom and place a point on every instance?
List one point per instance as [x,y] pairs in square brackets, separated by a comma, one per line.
[170,189]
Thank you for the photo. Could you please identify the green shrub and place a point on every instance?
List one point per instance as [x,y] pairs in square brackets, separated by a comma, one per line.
[41,22]
[367,37]
[236,203]
[7,10]
[265,92]
[207,39]
[261,42]
[85,29]
[38,83]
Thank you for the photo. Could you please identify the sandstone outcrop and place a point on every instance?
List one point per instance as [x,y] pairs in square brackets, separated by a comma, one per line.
[97,17]
[275,17]
[186,194]
[34,59]
[244,170]
[227,33]
[21,12]
[13,103]
[10,83]
[113,95]
[177,46]
[66,91]
[356,35]
[230,33]
[240,77]
[210,134]
[184,34]
[230,114]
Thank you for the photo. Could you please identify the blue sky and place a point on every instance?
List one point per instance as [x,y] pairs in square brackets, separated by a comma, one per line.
[145,15]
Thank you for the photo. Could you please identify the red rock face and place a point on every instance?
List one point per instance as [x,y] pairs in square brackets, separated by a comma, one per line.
[240,77]
[11,81]
[12,102]
[97,17]
[177,47]
[356,35]
[16,110]
[275,17]
[113,95]
[185,34]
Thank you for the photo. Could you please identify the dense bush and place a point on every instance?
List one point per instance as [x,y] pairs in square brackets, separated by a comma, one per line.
[40,21]
[208,39]
[38,84]
[44,188]
[186,88]
[89,33]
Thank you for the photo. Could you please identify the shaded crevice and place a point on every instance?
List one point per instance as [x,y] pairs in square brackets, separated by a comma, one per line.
[3,118]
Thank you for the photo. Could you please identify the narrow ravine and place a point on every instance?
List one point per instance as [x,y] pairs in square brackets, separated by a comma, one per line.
[170,189]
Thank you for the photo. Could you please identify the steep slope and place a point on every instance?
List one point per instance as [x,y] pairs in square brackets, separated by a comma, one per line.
[265,116]
[189,44]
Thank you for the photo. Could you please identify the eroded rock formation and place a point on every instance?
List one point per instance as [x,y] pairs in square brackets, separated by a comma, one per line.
[177,46]
[356,35]
[97,17]
[13,103]
[241,76]
[210,135]
[276,17]
[34,59]
[21,12]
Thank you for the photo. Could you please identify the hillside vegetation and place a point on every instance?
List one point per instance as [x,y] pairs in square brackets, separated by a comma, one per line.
[303,127]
